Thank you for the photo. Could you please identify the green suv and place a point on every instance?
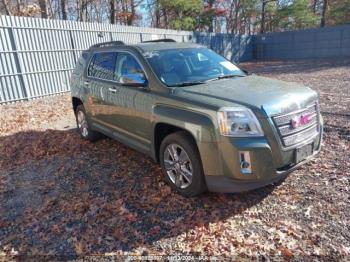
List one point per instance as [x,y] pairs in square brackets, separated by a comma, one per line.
[210,125]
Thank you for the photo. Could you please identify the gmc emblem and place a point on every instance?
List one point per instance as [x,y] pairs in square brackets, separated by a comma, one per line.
[302,120]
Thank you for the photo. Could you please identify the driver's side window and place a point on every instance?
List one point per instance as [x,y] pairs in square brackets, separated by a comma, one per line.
[128,69]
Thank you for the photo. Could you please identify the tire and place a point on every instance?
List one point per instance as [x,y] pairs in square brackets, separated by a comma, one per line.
[83,125]
[176,172]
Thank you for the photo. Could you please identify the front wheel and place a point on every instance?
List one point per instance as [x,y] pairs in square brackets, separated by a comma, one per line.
[83,125]
[181,164]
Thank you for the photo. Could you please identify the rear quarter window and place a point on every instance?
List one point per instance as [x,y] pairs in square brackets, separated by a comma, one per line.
[79,67]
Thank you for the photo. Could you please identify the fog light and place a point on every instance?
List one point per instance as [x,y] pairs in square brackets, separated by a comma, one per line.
[244,159]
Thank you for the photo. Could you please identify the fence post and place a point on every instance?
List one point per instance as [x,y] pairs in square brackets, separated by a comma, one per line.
[140,37]
[239,48]
[72,46]
[17,63]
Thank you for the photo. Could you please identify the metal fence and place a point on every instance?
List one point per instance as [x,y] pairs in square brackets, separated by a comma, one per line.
[37,56]
[330,42]
[236,48]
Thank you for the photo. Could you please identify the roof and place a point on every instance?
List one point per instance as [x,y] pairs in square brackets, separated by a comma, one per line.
[145,46]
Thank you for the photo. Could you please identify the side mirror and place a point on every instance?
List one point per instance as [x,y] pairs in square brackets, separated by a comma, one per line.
[137,80]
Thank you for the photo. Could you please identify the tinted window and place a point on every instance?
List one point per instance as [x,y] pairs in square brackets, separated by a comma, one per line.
[128,70]
[103,66]
[79,67]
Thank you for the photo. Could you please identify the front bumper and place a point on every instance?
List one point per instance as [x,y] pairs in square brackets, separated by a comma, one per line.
[268,164]
[224,184]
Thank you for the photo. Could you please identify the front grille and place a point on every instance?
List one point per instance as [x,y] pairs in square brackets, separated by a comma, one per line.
[290,135]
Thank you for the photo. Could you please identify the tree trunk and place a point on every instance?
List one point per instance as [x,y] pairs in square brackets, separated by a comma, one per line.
[237,7]
[166,21]
[112,12]
[86,11]
[43,8]
[81,10]
[157,14]
[6,7]
[210,7]
[314,4]
[64,9]
[131,18]
[323,16]
[262,24]
[229,20]
[18,7]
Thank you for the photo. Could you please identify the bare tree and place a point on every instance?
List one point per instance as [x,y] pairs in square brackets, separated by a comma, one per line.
[6,7]
[112,11]
[43,8]
[314,5]
[263,14]
[323,14]
[64,9]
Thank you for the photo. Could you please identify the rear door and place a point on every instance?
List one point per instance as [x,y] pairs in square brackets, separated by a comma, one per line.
[100,81]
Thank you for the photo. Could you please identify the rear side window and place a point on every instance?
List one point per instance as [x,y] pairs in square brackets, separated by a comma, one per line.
[79,67]
[102,66]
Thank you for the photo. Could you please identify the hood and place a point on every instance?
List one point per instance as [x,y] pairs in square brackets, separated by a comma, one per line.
[256,92]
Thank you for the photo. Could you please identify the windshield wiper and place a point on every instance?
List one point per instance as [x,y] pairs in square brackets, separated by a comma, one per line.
[229,76]
[223,77]
[187,84]
[198,82]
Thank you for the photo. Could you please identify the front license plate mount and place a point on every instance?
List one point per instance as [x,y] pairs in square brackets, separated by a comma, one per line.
[303,152]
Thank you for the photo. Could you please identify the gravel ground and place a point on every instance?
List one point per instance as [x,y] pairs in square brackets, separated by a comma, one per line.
[61,196]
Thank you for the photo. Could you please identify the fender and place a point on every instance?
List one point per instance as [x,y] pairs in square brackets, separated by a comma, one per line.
[199,125]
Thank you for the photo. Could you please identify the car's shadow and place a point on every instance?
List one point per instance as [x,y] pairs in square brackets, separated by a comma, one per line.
[64,196]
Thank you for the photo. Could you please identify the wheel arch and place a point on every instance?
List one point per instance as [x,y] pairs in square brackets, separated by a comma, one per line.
[76,101]
[169,120]
[162,130]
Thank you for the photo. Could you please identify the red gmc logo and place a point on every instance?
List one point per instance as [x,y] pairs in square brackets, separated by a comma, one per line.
[295,122]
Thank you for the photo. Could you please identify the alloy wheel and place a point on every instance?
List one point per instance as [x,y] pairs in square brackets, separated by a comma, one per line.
[82,123]
[178,165]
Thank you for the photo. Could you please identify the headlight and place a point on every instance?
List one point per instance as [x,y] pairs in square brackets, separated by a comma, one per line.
[240,122]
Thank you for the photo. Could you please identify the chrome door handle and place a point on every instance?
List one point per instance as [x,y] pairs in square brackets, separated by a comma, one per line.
[86,83]
[112,90]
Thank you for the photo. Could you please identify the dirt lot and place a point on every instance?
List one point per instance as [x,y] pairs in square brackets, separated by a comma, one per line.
[64,197]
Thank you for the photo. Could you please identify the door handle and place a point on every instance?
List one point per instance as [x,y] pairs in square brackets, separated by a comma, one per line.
[86,83]
[112,90]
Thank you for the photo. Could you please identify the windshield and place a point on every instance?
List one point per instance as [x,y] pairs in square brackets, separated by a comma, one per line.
[189,66]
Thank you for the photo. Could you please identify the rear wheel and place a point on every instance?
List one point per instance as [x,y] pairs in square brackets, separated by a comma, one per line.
[83,125]
[181,164]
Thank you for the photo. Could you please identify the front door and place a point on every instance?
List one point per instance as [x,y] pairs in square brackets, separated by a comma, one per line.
[128,118]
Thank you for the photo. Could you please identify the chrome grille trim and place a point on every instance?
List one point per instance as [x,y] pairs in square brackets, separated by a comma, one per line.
[291,136]
[286,130]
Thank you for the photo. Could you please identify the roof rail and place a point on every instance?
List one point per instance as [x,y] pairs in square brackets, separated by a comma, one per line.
[164,40]
[104,44]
